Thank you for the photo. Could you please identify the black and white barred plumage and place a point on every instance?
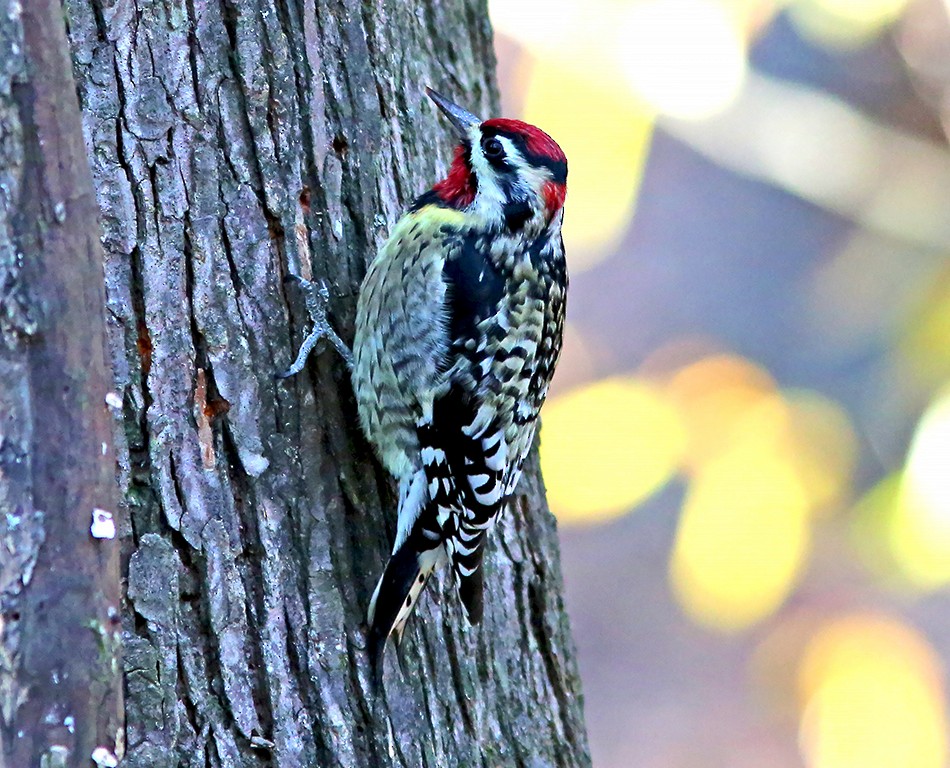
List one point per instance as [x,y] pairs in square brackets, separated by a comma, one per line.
[458,331]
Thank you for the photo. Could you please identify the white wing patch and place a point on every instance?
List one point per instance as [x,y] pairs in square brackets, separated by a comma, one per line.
[496,452]
[432,455]
[483,417]
[490,497]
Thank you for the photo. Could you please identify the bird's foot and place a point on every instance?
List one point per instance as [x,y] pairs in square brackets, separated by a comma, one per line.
[317,296]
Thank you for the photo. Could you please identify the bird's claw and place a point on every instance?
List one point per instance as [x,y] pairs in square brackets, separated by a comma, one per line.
[317,296]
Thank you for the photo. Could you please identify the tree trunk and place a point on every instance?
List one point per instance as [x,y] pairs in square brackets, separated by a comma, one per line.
[233,143]
[60,684]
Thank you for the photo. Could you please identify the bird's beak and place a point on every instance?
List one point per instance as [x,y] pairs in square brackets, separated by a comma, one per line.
[461,119]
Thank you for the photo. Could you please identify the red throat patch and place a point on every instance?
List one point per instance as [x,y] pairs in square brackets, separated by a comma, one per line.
[457,189]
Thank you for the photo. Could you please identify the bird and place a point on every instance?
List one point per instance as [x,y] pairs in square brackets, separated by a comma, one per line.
[459,327]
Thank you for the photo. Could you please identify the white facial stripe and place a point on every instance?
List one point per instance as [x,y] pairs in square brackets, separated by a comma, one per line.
[510,151]
[533,176]
[490,197]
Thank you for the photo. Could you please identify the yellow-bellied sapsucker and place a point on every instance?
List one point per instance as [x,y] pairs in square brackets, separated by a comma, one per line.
[458,329]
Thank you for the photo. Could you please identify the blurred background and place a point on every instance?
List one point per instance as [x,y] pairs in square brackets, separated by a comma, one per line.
[748,441]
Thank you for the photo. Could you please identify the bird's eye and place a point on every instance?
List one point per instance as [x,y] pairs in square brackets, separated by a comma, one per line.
[493,148]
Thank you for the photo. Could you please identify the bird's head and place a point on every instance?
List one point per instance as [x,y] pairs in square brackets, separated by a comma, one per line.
[508,172]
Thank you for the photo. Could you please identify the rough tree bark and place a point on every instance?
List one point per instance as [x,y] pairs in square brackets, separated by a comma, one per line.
[60,683]
[233,143]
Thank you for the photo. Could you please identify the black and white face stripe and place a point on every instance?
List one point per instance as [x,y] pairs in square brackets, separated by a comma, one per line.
[558,168]
[509,186]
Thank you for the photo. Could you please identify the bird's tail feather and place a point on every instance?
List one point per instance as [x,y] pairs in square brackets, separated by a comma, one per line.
[396,595]
[471,589]
[466,554]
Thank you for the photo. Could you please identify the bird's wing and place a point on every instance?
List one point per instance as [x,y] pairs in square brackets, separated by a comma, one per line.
[481,417]
[401,337]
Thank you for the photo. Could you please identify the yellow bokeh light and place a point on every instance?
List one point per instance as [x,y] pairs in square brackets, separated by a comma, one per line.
[727,402]
[927,476]
[813,435]
[920,531]
[875,517]
[808,433]
[926,346]
[686,58]
[903,523]
[919,539]
[742,538]
[845,23]
[607,446]
[761,463]
[713,393]
[605,134]
[543,26]
[872,696]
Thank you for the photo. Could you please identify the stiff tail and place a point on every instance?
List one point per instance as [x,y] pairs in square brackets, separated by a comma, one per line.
[466,551]
[396,595]
[471,591]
